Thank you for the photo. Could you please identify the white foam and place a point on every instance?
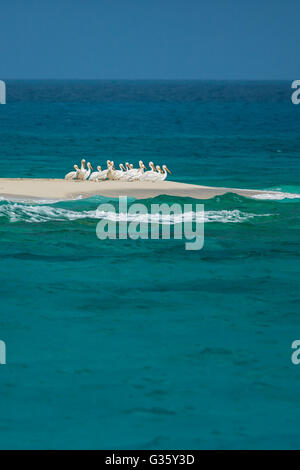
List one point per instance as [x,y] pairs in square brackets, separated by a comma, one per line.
[275,196]
[17,212]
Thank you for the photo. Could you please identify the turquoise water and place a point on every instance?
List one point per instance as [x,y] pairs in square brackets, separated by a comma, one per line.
[142,344]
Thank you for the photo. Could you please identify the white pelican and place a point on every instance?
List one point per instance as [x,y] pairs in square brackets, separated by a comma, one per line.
[129,167]
[73,174]
[163,174]
[88,172]
[131,170]
[83,173]
[150,175]
[94,176]
[103,174]
[120,174]
[111,171]
[136,174]
[156,175]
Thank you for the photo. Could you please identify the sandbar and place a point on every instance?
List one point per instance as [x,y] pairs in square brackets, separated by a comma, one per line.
[60,189]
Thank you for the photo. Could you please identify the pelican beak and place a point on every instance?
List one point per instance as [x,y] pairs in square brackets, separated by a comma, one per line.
[168,171]
[92,168]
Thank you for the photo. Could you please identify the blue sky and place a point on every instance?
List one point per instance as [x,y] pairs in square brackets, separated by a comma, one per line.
[147,39]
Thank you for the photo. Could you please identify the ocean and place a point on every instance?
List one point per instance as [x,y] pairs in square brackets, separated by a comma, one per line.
[141,344]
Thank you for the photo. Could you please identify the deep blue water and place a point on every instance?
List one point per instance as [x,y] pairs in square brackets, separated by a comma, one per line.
[142,344]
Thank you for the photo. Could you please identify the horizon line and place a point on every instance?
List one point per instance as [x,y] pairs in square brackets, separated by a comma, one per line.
[156,79]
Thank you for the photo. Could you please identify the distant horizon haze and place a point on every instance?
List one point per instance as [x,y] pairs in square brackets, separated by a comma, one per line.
[148,40]
[70,79]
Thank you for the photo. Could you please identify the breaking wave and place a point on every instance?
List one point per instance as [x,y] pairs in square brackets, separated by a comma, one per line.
[15,212]
[275,196]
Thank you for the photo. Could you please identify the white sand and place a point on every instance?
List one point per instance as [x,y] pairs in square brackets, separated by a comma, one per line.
[62,189]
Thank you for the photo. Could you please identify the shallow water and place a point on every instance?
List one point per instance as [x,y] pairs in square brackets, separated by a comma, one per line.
[143,344]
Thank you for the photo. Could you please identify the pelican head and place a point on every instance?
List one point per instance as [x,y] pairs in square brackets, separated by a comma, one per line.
[89,165]
[158,168]
[131,166]
[121,166]
[83,163]
[99,168]
[151,165]
[108,163]
[127,165]
[166,168]
[76,167]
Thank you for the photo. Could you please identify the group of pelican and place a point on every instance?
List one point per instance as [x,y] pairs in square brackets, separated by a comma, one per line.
[125,173]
